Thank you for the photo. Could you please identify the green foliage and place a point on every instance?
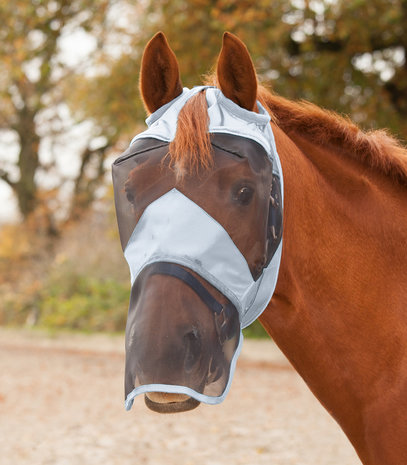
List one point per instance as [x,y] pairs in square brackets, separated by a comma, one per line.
[255,331]
[70,301]
[80,302]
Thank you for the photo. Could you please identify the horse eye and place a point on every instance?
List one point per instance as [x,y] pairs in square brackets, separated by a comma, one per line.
[244,195]
[130,196]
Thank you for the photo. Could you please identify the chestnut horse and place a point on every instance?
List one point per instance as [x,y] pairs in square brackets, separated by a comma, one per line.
[339,312]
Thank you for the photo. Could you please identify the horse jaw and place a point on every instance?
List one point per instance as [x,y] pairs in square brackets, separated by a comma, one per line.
[162,402]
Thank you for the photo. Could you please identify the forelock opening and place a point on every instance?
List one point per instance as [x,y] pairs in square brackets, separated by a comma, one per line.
[191,149]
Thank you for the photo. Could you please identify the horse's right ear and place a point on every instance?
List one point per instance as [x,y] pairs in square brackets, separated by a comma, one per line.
[159,76]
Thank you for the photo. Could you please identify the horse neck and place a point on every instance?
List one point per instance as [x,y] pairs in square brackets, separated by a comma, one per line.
[338,311]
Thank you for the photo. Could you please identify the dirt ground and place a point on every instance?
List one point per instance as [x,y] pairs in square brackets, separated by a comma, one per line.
[61,403]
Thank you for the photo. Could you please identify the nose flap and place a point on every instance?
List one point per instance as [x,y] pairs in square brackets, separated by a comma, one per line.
[171,351]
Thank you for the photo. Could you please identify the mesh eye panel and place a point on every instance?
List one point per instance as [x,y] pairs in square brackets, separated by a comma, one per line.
[137,153]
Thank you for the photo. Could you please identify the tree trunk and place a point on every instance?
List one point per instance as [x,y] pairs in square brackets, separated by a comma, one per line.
[25,188]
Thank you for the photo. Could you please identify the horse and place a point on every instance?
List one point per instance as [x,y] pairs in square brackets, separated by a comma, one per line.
[339,310]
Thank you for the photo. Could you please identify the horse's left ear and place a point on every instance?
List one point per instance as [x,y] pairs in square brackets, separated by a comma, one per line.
[159,75]
[236,75]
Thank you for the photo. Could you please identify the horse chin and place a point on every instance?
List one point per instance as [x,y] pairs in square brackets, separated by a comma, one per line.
[162,402]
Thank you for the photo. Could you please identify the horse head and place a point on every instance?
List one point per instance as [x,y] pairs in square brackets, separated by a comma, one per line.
[200,220]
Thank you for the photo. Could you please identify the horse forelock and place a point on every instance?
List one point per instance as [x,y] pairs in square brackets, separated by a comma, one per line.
[191,147]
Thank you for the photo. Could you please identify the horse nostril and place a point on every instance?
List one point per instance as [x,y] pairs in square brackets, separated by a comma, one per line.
[192,343]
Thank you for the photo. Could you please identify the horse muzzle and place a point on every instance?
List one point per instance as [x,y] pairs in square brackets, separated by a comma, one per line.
[182,352]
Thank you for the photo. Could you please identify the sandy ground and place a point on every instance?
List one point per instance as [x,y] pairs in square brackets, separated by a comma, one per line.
[61,402]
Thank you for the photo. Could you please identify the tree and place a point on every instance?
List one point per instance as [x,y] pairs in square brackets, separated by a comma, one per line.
[34,91]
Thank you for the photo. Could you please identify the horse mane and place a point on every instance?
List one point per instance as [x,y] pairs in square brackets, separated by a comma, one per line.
[376,149]
[191,147]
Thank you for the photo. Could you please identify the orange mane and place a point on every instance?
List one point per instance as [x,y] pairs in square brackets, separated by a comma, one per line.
[377,149]
[191,148]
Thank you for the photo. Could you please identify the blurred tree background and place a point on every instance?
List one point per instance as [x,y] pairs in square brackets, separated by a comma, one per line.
[69,104]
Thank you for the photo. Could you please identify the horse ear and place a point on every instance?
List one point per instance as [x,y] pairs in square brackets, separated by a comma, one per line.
[159,76]
[235,72]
